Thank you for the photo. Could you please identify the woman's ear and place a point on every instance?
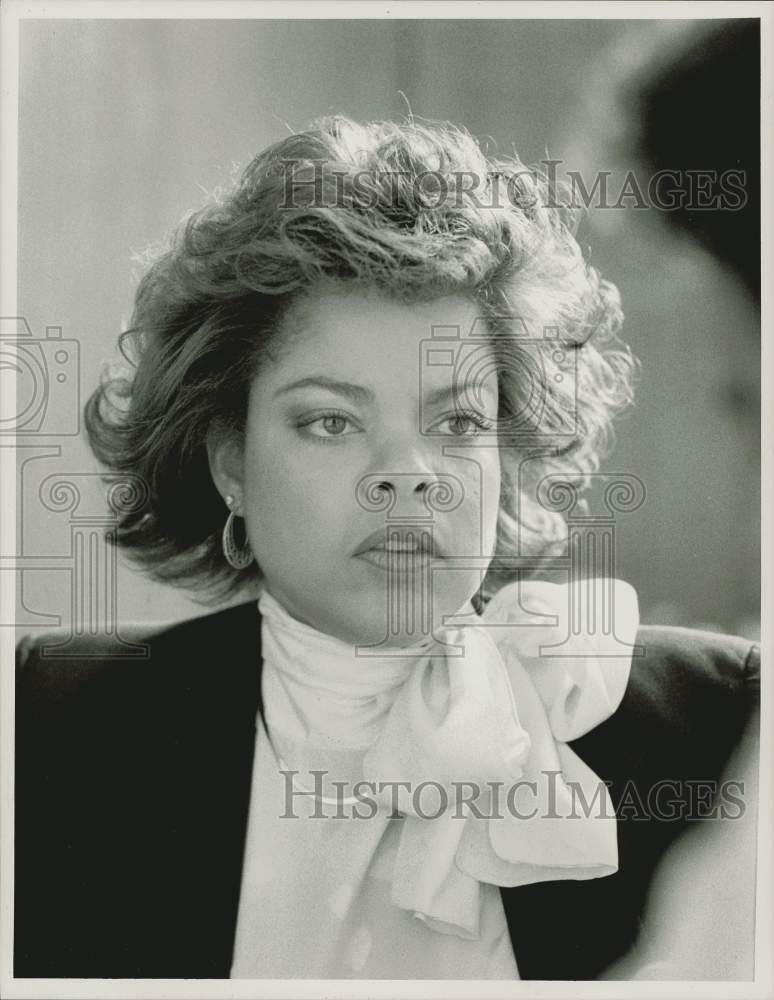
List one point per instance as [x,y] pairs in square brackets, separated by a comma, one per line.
[225,453]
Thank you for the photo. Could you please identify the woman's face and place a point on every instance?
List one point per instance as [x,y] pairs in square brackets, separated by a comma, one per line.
[314,452]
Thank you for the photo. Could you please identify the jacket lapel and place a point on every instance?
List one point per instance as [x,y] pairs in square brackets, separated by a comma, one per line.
[210,796]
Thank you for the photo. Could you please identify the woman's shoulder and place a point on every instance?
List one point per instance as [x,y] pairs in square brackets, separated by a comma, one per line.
[729,661]
[617,671]
[669,665]
[691,693]
[662,657]
[693,675]
[690,698]
[55,664]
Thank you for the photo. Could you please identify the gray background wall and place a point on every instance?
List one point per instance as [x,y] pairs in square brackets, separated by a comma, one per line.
[125,125]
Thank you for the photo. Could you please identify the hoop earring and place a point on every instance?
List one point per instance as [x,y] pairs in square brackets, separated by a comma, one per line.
[237,556]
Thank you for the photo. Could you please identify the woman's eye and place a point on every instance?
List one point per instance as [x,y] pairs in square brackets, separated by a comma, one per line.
[331,425]
[465,420]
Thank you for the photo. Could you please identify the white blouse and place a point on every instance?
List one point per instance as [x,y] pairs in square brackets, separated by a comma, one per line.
[393,795]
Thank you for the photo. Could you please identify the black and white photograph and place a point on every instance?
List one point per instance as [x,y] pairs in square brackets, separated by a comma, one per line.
[384,394]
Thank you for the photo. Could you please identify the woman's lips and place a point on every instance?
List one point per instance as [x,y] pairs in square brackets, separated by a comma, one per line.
[399,539]
[398,561]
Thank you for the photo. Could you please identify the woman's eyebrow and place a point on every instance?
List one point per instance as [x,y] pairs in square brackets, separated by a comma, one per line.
[359,393]
[356,393]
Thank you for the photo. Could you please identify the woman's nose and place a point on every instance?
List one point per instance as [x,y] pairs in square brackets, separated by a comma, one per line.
[404,485]
[405,463]
[407,481]
[417,496]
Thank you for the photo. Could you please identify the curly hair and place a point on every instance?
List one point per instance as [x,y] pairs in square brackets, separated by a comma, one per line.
[414,209]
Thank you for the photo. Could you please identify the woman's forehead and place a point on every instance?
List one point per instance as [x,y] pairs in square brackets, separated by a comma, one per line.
[366,337]
[368,320]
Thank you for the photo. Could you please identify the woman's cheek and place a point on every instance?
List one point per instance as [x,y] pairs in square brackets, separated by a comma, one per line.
[489,503]
[277,473]
[462,527]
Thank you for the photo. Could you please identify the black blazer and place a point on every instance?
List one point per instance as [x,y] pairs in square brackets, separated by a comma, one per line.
[133,782]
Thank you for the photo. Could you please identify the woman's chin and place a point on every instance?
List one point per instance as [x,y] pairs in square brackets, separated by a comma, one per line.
[400,615]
